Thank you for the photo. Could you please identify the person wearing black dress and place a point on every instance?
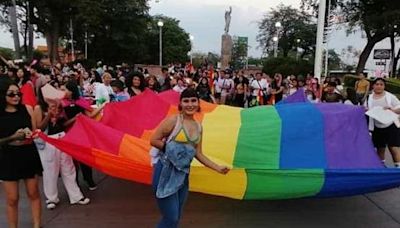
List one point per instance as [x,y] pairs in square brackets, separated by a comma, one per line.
[19,158]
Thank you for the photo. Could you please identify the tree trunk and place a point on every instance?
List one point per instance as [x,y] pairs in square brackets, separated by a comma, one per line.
[30,30]
[367,51]
[392,47]
[395,62]
[25,34]
[52,42]
[14,27]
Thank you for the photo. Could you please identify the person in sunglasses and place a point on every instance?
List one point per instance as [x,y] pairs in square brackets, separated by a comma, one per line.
[19,158]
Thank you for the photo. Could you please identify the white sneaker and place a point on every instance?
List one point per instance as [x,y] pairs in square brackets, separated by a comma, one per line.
[53,201]
[83,201]
[51,205]
[92,188]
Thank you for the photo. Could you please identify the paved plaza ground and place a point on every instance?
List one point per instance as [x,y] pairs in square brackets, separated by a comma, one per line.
[122,204]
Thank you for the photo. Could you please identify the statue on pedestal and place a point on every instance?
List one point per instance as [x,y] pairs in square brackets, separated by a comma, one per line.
[228,19]
[226,44]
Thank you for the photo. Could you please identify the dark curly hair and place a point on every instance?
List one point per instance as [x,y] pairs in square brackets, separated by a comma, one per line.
[72,86]
[128,81]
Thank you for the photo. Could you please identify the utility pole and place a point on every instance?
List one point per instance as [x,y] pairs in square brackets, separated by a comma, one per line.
[320,40]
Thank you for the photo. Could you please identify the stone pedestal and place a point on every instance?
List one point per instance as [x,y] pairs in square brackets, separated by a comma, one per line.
[226,50]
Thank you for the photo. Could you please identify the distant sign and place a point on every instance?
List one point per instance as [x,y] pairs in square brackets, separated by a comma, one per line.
[382,53]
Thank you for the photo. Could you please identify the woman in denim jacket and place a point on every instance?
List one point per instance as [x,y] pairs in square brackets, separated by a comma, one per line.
[178,134]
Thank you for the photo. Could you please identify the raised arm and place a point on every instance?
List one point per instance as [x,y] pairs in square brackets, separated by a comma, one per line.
[203,159]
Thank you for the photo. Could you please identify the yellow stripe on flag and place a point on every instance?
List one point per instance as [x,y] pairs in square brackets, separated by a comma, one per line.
[231,185]
[220,133]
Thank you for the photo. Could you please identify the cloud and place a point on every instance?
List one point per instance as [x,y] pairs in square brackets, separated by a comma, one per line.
[205,19]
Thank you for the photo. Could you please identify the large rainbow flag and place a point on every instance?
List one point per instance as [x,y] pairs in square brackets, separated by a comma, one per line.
[276,152]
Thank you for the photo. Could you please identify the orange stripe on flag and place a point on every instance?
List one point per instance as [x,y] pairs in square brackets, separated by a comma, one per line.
[122,167]
[135,149]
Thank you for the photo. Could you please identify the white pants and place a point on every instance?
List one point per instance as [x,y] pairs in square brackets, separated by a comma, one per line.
[54,161]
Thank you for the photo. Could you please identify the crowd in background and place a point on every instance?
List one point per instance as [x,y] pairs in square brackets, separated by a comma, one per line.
[223,86]
[24,108]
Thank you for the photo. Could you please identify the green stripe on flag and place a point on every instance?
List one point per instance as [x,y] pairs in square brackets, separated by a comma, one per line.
[283,184]
[258,145]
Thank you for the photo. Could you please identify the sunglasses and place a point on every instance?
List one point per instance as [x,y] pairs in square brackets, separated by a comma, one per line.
[14,94]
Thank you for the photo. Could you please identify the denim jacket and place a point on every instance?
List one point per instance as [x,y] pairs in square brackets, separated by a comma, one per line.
[176,165]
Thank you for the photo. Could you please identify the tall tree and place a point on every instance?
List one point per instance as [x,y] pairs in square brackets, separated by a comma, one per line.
[23,13]
[176,41]
[239,54]
[295,25]
[375,17]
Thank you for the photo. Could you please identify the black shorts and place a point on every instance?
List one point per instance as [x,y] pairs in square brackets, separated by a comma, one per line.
[389,136]
[217,95]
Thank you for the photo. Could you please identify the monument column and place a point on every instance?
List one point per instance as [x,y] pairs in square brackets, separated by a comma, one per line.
[226,44]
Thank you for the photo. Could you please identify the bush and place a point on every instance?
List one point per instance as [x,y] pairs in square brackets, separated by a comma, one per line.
[349,80]
[392,85]
[7,53]
[287,66]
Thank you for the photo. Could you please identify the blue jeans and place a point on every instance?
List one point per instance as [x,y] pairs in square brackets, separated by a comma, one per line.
[171,206]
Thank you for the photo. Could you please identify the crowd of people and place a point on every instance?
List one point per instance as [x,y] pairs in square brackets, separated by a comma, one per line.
[24,109]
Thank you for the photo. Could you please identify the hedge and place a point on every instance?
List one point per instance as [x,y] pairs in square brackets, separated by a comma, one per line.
[392,85]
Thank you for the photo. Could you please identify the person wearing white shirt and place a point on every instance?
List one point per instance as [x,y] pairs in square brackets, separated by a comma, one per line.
[217,89]
[259,87]
[227,85]
[384,135]
[104,91]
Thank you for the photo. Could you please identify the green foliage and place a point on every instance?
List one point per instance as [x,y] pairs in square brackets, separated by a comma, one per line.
[239,54]
[287,66]
[349,80]
[296,25]
[201,59]
[37,55]
[213,59]
[7,53]
[255,61]
[335,63]
[176,42]
[117,31]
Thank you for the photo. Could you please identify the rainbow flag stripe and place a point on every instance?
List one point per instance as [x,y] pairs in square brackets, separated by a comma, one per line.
[276,152]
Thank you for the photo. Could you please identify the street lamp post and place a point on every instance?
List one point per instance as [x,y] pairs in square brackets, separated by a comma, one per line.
[71,30]
[275,39]
[160,24]
[86,42]
[278,26]
[191,37]
[297,49]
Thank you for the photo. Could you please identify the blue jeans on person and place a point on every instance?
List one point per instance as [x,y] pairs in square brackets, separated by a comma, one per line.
[171,206]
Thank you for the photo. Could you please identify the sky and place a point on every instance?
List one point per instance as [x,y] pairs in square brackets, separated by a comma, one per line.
[204,19]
